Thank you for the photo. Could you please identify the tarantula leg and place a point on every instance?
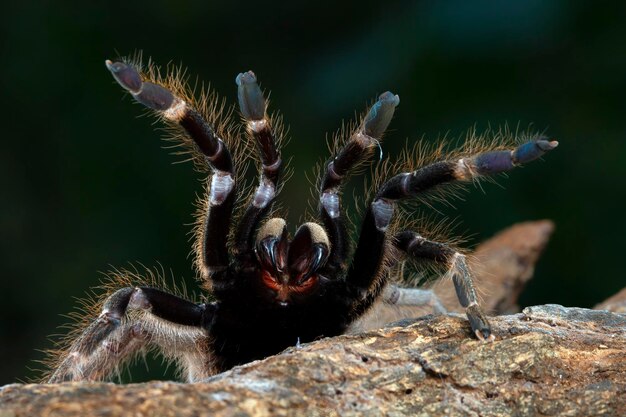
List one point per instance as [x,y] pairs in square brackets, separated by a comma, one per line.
[104,359]
[131,319]
[357,149]
[213,252]
[412,297]
[253,109]
[418,248]
[501,161]
[366,273]
[410,184]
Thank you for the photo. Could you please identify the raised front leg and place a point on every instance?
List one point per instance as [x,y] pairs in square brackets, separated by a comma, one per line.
[253,108]
[211,248]
[358,148]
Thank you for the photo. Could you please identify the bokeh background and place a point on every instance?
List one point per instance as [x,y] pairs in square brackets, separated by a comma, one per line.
[86,185]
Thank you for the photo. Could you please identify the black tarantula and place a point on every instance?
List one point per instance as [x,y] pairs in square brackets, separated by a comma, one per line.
[272,290]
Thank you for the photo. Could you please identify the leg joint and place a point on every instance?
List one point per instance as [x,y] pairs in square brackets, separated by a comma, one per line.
[383,212]
[330,203]
[222,184]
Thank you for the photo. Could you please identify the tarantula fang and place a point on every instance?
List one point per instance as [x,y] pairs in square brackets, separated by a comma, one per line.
[272,290]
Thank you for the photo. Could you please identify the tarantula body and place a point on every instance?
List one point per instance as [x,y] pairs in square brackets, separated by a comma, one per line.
[272,290]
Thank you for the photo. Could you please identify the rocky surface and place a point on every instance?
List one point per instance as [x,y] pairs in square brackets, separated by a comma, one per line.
[548,360]
[616,303]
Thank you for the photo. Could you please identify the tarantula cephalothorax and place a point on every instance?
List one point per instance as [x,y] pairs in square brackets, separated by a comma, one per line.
[272,290]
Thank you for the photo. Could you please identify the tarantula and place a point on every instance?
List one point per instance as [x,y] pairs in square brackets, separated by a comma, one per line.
[272,290]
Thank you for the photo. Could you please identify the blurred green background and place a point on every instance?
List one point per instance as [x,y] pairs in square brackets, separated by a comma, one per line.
[86,185]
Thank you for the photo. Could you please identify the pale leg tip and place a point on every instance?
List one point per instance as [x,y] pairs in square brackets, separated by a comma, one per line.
[485,335]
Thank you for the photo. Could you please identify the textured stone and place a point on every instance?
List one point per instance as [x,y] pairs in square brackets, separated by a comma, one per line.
[548,360]
[616,303]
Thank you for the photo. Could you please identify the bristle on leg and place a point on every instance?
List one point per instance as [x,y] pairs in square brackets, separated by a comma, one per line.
[253,107]
[354,152]
[116,336]
[211,249]
[495,162]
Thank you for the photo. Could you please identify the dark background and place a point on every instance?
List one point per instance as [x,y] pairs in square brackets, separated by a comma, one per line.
[86,185]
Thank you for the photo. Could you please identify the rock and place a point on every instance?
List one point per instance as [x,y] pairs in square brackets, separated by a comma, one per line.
[547,360]
[616,303]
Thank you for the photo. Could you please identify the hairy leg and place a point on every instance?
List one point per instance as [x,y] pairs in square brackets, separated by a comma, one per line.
[412,297]
[253,108]
[397,303]
[357,149]
[419,248]
[367,273]
[133,319]
[212,251]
